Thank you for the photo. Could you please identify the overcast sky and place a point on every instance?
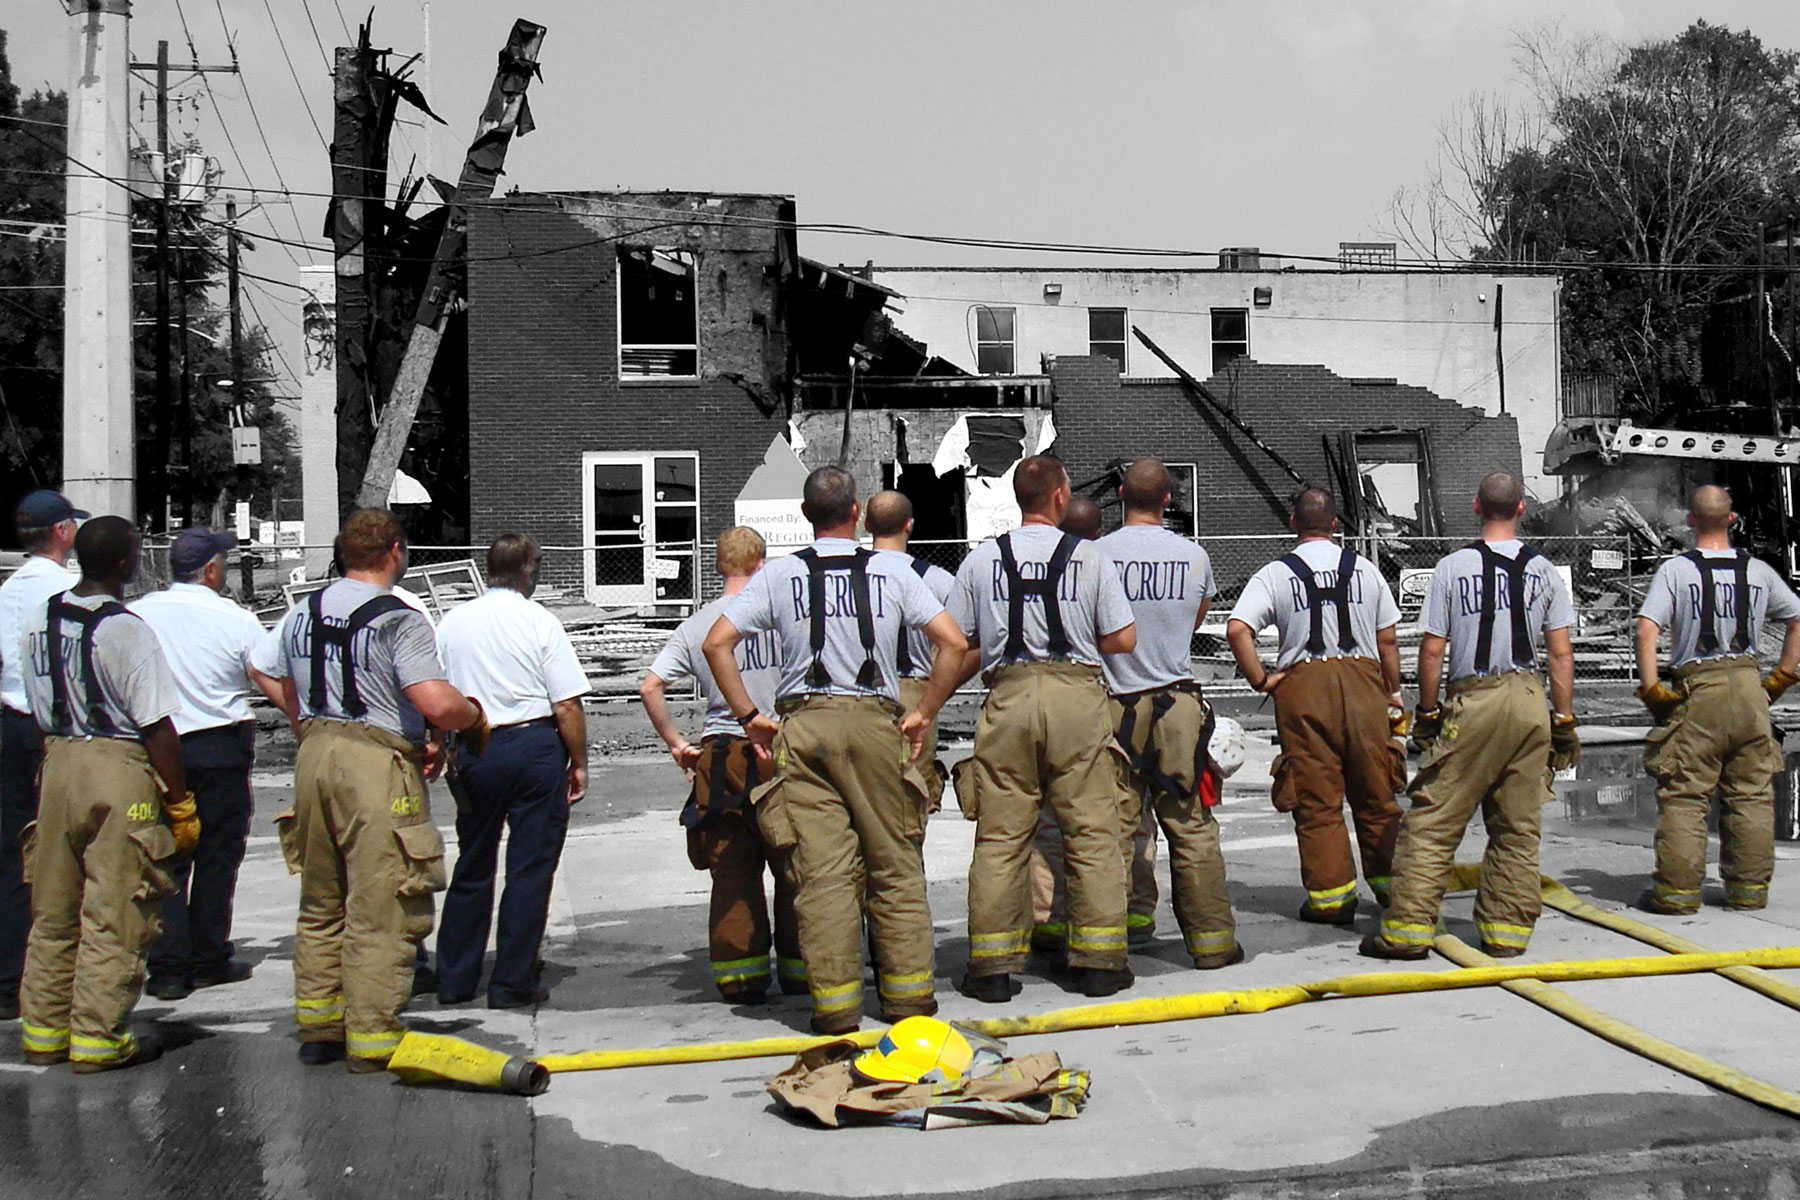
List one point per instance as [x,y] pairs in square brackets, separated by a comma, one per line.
[1194,125]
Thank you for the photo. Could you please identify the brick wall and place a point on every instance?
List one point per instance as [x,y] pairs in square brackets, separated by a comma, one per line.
[1293,408]
[544,386]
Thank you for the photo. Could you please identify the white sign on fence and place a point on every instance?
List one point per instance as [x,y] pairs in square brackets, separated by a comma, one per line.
[665,568]
[1607,560]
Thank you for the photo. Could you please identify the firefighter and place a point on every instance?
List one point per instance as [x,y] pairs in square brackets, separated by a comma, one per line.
[1338,710]
[722,834]
[361,668]
[1082,519]
[889,522]
[847,797]
[1713,731]
[1163,723]
[114,812]
[1043,605]
[1492,746]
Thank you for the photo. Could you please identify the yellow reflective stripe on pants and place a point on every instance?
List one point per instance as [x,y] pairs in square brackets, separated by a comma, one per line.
[1005,943]
[373,1045]
[1675,897]
[1140,920]
[1746,893]
[1203,942]
[41,1039]
[791,969]
[101,1049]
[904,986]
[1096,937]
[835,999]
[329,1011]
[1331,898]
[1407,933]
[1498,933]
[738,970]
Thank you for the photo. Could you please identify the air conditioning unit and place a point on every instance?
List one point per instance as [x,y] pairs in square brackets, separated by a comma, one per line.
[1240,258]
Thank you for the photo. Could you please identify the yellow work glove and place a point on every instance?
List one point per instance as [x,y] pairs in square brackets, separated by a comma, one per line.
[184,823]
[1662,699]
[475,737]
[1565,744]
[1777,682]
[1399,724]
[1426,725]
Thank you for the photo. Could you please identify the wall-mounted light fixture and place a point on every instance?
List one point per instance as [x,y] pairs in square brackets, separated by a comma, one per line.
[1052,291]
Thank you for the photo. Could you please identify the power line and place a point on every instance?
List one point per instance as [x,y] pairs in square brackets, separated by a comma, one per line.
[306,7]
[295,74]
[256,119]
[348,36]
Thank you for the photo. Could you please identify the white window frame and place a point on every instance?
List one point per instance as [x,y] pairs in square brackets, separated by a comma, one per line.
[641,594]
[619,311]
[1216,342]
[1012,343]
[1124,341]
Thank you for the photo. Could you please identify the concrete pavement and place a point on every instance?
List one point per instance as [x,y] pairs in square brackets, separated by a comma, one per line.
[1467,1092]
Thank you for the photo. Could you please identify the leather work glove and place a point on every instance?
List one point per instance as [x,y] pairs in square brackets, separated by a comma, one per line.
[1565,744]
[1426,725]
[1661,699]
[1399,724]
[184,823]
[1777,682]
[475,736]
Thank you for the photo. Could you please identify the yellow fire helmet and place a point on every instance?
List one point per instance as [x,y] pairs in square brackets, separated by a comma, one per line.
[916,1050]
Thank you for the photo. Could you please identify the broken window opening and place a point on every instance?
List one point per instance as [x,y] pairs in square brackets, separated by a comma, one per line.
[1392,492]
[1181,516]
[1106,334]
[658,317]
[996,345]
[1230,336]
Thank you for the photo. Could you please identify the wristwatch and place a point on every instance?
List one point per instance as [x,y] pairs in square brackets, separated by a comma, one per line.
[749,716]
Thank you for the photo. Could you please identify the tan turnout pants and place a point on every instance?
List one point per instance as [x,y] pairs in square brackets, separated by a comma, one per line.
[1049,885]
[729,845]
[911,690]
[97,861]
[1493,755]
[1171,743]
[369,859]
[1717,739]
[848,803]
[1045,736]
[1331,717]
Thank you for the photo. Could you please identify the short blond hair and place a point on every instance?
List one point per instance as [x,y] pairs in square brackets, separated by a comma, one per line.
[741,551]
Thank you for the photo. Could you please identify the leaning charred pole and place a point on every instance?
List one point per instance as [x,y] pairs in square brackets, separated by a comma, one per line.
[1201,391]
[357,182]
[505,115]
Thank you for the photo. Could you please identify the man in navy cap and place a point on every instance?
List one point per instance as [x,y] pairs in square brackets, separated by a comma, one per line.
[45,523]
[207,640]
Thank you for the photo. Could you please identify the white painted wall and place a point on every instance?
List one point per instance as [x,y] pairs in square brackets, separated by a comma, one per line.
[1432,330]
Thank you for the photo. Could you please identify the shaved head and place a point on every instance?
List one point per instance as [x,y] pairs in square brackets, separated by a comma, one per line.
[887,514]
[828,498]
[1710,509]
[1036,481]
[1315,511]
[1081,518]
[1499,496]
[1146,486]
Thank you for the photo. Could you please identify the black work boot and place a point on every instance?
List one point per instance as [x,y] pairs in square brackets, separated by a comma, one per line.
[1374,947]
[319,1054]
[989,989]
[1212,962]
[1650,902]
[1342,915]
[1103,981]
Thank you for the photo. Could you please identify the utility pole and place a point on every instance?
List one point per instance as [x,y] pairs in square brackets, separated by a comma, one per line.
[237,378]
[158,472]
[99,429]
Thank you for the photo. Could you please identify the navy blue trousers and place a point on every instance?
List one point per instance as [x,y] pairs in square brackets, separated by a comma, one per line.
[196,916]
[520,785]
[21,754]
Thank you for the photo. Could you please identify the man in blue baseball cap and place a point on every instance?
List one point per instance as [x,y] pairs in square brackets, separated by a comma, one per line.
[208,640]
[45,522]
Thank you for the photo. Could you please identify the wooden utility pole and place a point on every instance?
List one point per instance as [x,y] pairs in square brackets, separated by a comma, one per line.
[505,114]
[353,129]
[158,473]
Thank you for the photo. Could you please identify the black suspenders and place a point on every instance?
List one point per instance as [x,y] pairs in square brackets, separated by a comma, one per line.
[1339,596]
[903,660]
[1739,566]
[324,634]
[1017,588]
[1148,761]
[1491,564]
[56,612]
[857,563]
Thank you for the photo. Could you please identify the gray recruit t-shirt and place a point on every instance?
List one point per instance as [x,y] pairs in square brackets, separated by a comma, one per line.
[1166,578]
[757,656]
[1276,596]
[778,598]
[395,651]
[918,643]
[1673,602]
[1092,600]
[136,686]
[1453,608]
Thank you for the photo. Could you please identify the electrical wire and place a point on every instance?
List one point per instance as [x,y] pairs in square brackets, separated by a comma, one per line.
[294,73]
[256,119]
[306,7]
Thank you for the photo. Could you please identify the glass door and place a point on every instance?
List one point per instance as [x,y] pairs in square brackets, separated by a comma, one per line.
[616,499]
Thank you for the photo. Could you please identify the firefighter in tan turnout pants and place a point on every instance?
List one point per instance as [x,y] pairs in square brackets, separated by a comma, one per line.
[1163,725]
[1713,731]
[114,813]
[1043,606]
[1493,745]
[847,799]
[1338,713]
[363,669]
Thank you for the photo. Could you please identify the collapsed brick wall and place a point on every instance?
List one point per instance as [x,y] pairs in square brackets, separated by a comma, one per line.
[544,382]
[1241,490]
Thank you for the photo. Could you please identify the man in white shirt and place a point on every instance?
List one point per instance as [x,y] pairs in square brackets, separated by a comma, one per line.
[46,523]
[208,641]
[512,655]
